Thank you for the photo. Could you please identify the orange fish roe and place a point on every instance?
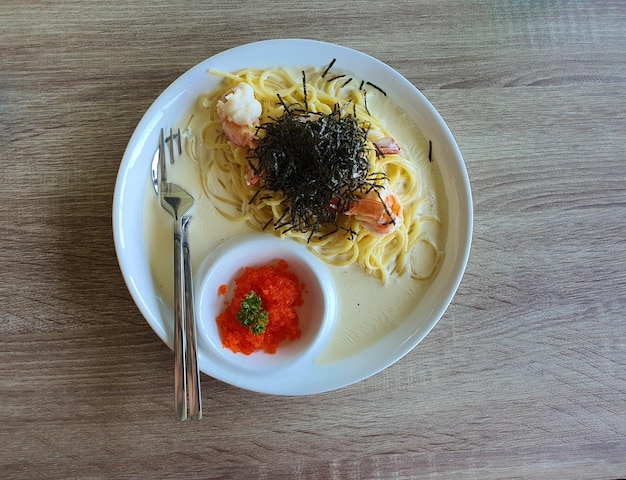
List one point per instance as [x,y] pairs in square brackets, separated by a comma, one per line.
[280,293]
[222,290]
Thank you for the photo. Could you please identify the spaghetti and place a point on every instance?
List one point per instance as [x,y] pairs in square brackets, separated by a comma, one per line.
[226,168]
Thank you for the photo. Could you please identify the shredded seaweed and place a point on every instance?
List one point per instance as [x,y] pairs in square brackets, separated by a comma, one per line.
[330,65]
[306,98]
[430,150]
[377,88]
[320,162]
[336,77]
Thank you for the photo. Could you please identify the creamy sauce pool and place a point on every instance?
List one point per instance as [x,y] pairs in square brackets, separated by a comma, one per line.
[368,310]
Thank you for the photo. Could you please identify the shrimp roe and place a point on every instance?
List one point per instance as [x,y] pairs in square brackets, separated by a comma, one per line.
[280,293]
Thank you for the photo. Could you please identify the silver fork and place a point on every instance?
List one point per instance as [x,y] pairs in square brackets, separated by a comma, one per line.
[177,202]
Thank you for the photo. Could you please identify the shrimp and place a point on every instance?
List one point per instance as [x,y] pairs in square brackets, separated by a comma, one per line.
[251,177]
[380,212]
[239,113]
[240,135]
[387,146]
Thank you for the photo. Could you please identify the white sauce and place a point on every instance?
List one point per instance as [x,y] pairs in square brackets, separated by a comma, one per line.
[368,310]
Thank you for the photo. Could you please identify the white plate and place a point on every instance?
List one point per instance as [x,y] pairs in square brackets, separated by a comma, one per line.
[301,378]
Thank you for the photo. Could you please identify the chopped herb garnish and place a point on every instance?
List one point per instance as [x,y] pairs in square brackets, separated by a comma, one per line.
[251,313]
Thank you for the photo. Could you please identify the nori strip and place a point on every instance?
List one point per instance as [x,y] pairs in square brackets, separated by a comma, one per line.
[320,162]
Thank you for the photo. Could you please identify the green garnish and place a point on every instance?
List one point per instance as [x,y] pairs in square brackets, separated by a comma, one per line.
[251,313]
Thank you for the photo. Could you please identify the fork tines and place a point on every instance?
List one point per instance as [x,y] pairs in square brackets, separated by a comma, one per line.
[170,139]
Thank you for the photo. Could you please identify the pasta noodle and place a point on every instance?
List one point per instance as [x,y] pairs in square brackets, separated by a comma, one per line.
[224,168]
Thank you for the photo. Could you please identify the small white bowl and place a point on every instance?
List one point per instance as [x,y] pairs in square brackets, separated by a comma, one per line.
[316,316]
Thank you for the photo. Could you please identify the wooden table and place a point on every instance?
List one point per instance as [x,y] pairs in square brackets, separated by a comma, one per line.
[523,377]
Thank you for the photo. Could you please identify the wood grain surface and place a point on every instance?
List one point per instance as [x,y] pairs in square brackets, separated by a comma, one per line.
[523,377]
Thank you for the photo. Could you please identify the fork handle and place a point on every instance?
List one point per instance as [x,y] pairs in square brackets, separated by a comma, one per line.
[193,373]
[180,379]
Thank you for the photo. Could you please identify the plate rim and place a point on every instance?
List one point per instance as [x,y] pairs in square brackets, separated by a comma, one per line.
[155,114]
